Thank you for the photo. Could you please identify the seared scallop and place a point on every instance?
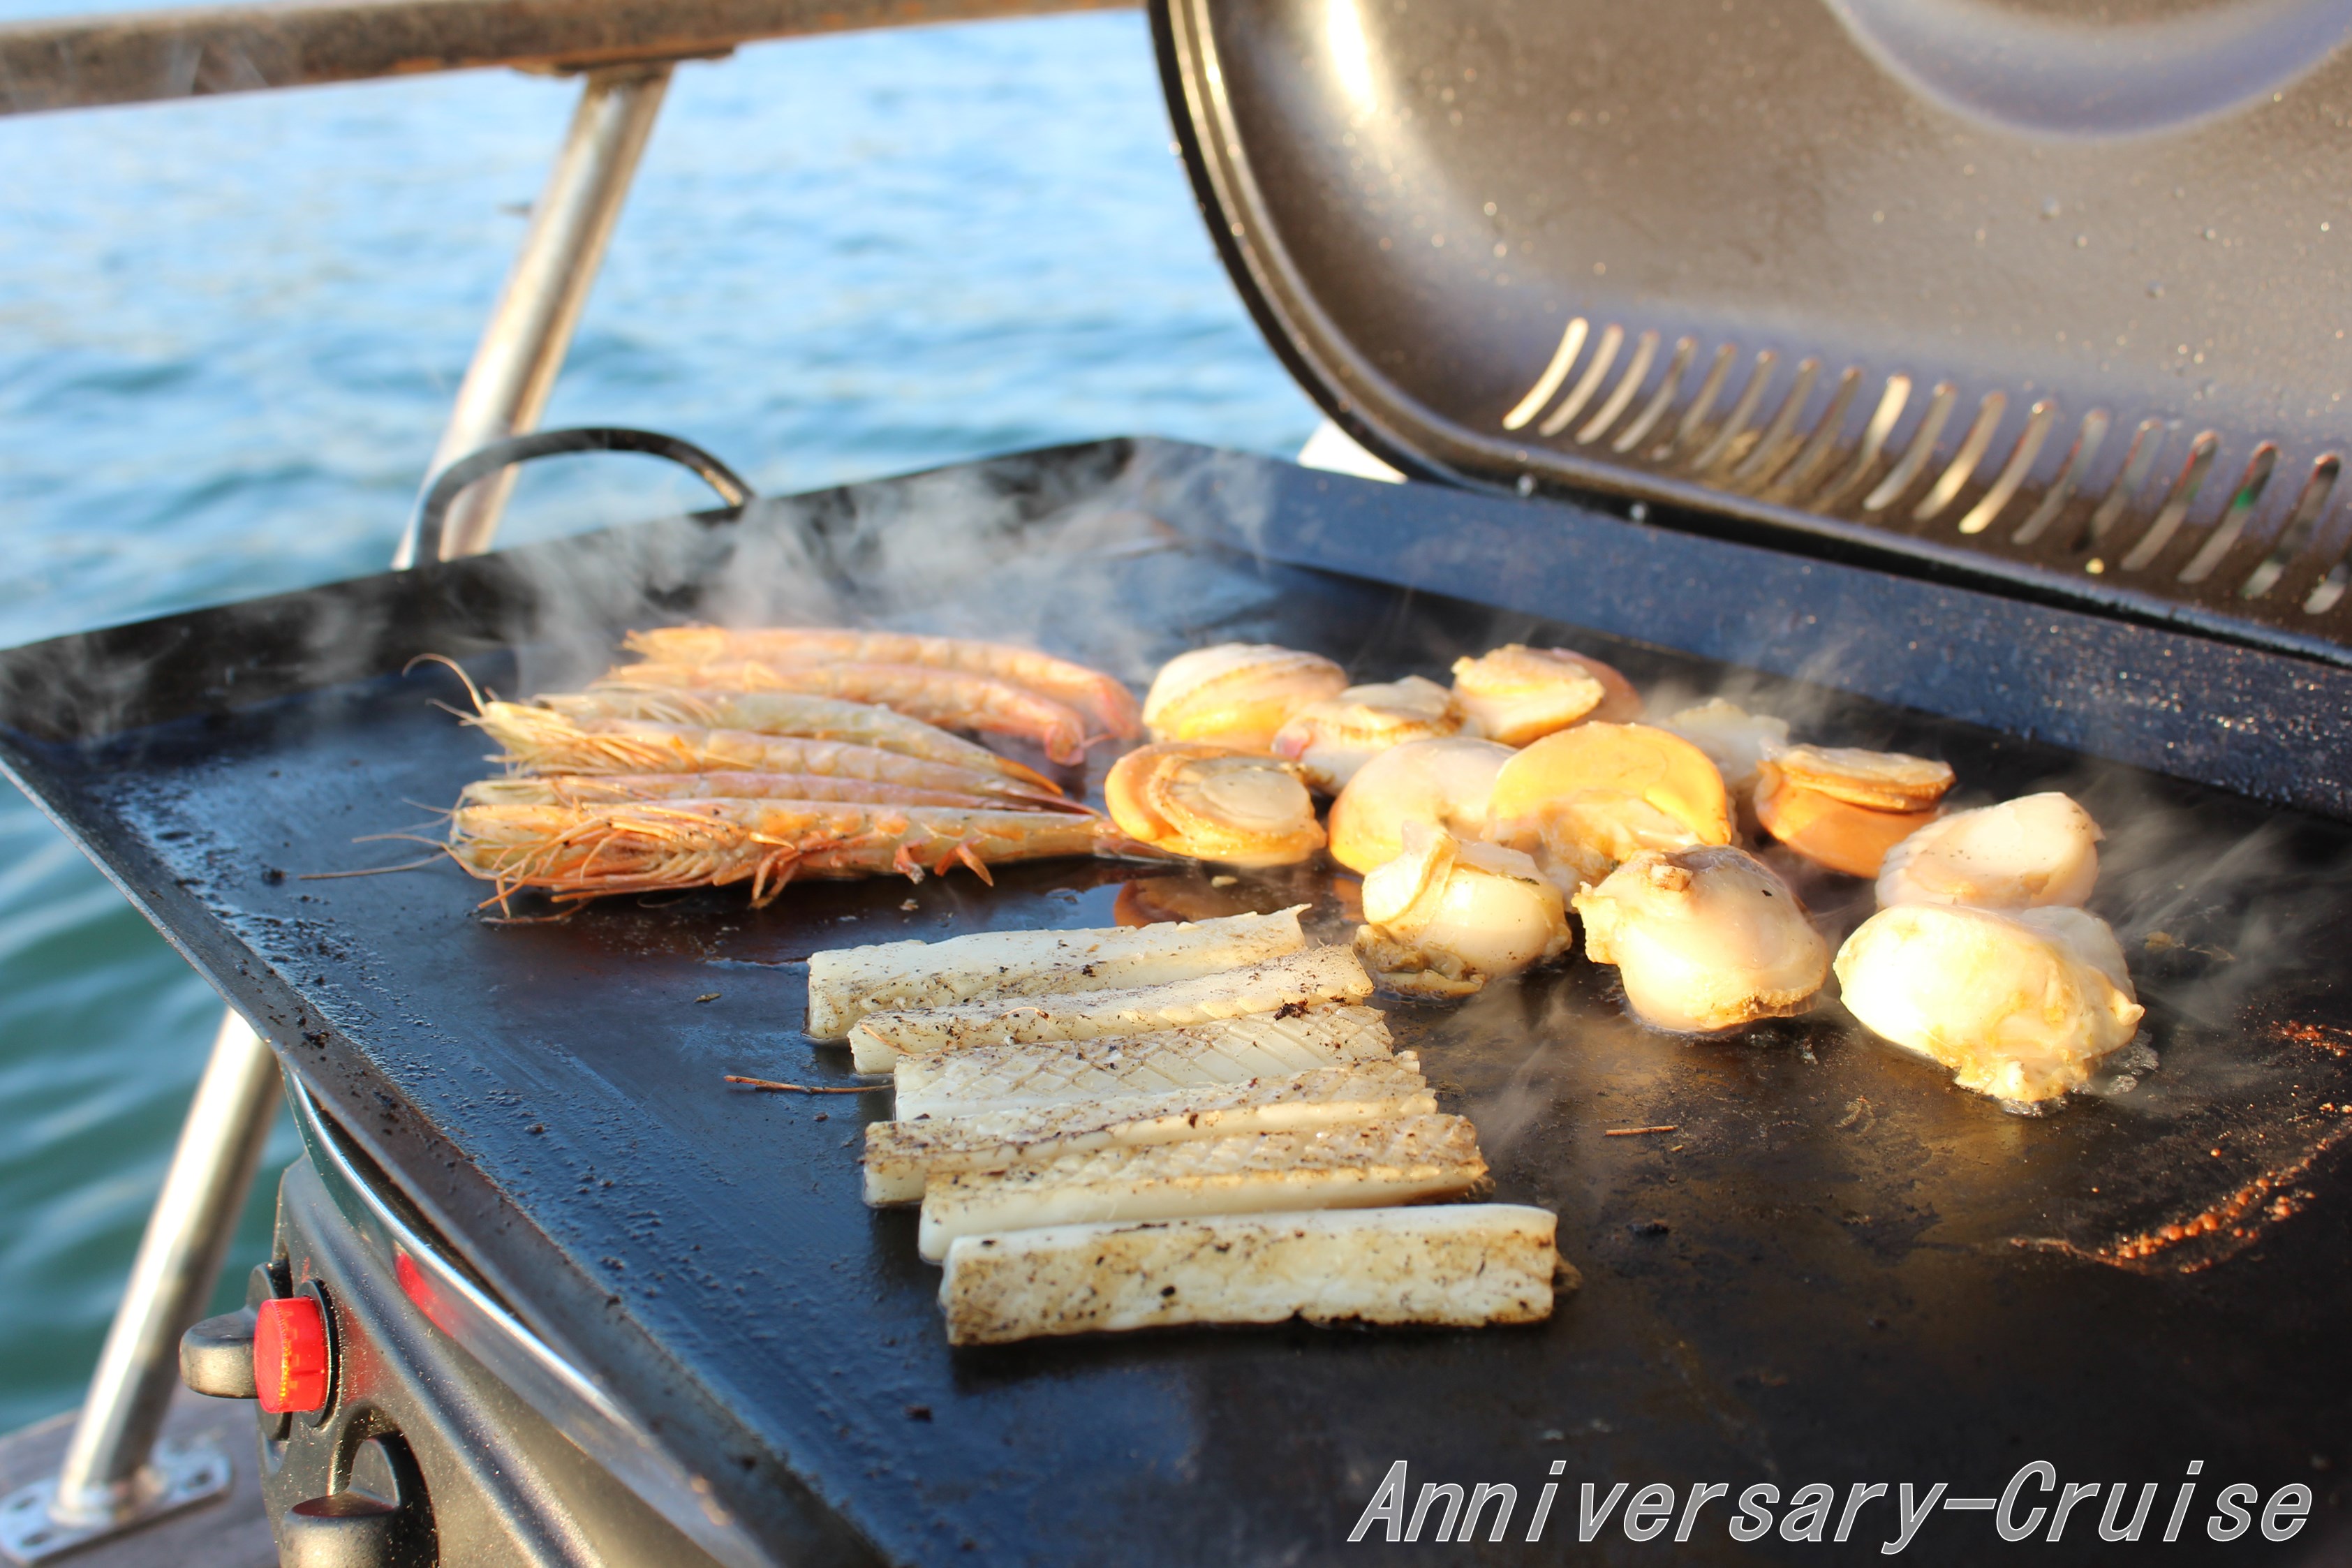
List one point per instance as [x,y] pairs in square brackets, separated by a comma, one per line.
[1587,799]
[1213,803]
[2037,849]
[1331,740]
[1519,694]
[1236,694]
[1705,939]
[2021,1005]
[1446,917]
[1440,783]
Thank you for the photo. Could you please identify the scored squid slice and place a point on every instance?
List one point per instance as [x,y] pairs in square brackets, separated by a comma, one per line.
[2036,850]
[1704,940]
[1236,694]
[1583,801]
[1406,1160]
[846,984]
[1517,694]
[1224,1051]
[1300,979]
[1458,1266]
[2021,1005]
[1735,740]
[1333,740]
[1442,784]
[1446,917]
[902,1155]
[1828,831]
[1214,803]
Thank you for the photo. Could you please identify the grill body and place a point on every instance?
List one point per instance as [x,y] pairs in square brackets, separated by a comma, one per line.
[1838,1268]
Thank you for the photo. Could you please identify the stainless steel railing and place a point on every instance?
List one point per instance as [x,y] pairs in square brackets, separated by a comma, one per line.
[111,1478]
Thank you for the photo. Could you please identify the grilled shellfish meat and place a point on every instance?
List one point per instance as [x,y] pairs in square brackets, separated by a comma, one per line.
[2034,850]
[1214,803]
[1444,784]
[1236,694]
[1333,740]
[2021,1005]
[1517,694]
[1446,917]
[1704,940]
[1585,800]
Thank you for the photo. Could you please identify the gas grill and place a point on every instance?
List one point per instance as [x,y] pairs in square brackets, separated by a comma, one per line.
[1739,383]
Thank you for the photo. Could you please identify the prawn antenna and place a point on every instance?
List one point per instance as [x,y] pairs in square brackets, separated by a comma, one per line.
[454,668]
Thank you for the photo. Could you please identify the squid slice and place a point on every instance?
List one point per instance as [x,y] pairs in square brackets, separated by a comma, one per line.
[1106,704]
[1446,917]
[1517,695]
[900,1156]
[2037,849]
[1442,783]
[1587,799]
[846,984]
[1300,979]
[1236,694]
[1213,803]
[1704,940]
[1459,1266]
[1402,1161]
[1735,740]
[1828,831]
[1228,1050]
[1331,740]
[2020,1005]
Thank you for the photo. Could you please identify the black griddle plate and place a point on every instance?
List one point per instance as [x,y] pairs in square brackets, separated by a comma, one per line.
[1838,1267]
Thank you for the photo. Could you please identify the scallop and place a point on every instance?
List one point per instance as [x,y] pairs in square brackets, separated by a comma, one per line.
[2035,850]
[1236,694]
[1875,781]
[1214,803]
[1333,740]
[2021,1005]
[1705,939]
[1442,783]
[1735,740]
[1446,917]
[1828,831]
[1517,694]
[1585,800]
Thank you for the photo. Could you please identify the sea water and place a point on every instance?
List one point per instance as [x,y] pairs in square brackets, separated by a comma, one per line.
[230,330]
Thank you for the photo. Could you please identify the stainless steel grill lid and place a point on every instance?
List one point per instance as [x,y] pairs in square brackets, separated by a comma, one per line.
[1997,287]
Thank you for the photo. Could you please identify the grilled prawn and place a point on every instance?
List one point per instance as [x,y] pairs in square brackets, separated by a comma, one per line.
[800,714]
[576,853]
[615,789]
[954,698]
[542,741]
[1106,704]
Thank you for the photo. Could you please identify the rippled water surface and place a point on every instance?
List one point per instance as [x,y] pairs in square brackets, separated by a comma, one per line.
[229,330]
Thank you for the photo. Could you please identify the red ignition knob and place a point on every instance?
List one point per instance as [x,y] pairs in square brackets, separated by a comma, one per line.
[290,1355]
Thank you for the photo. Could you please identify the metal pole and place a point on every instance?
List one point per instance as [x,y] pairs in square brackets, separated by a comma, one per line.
[514,367]
[113,1474]
[105,1477]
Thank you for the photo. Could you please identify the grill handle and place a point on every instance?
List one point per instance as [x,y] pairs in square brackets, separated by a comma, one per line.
[482,463]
